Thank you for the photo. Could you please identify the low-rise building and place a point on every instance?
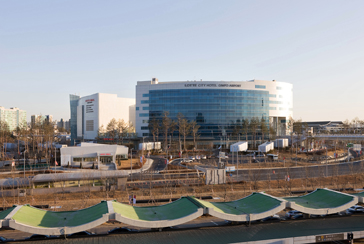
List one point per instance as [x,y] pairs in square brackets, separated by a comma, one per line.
[92,155]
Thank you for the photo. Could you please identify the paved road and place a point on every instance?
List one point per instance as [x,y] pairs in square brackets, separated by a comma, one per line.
[159,164]
[300,172]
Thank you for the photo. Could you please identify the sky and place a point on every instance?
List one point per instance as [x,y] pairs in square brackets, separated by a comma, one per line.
[50,49]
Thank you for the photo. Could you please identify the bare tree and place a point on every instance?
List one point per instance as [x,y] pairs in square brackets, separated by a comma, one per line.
[194,131]
[154,128]
[121,128]
[272,132]
[184,130]
[166,125]
[263,128]
[245,128]
[111,129]
[254,123]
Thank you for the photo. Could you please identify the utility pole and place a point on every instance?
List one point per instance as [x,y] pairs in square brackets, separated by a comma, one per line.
[24,162]
[131,164]
[55,158]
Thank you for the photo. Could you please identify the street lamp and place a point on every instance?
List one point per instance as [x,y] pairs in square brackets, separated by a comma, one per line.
[131,164]
[24,162]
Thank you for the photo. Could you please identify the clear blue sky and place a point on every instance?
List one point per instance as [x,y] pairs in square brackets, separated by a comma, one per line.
[50,49]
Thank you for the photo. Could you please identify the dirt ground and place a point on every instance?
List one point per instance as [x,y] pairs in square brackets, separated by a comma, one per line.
[286,159]
[228,192]
[125,164]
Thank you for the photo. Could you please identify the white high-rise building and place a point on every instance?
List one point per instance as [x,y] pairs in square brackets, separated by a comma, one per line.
[14,117]
[217,106]
[89,113]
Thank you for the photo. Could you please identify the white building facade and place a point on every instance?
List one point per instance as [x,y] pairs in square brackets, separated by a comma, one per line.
[217,106]
[92,155]
[89,113]
[14,117]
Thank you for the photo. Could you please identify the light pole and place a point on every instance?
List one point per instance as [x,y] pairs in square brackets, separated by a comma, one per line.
[24,162]
[326,163]
[296,154]
[131,164]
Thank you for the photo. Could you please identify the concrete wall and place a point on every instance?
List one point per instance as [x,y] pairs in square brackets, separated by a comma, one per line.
[39,191]
[215,176]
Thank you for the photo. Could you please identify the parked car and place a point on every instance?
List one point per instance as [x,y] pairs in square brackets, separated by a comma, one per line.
[274,217]
[80,234]
[293,213]
[37,237]
[119,230]
[203,157]
[355,209]
[297,216]
[3,239]
[191,158]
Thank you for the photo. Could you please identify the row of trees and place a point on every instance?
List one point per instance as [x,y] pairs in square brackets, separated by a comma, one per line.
[37,140]
[254,127]
[116,130]
[167,127]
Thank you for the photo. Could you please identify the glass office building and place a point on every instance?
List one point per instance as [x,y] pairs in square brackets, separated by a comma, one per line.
[216,106]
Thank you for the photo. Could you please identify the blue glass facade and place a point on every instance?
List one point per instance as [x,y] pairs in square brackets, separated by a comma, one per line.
[73,121]
[217,111]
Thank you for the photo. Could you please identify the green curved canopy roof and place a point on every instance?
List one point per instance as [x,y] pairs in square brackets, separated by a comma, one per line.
[321,198]
[48,219]
[360,194]
[174,210]
[252,204]
[5,213]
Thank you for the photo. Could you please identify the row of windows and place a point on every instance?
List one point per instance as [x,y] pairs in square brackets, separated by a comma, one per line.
[214,110]
[259,86]
[84,159]
[275,102]
[207,92]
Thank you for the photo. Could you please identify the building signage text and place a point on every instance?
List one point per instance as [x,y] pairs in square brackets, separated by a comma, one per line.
[90,105]
[212,85]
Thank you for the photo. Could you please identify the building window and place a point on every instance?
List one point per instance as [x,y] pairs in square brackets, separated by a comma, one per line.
[144,128]
[89,159]
[275,102]
[146,95]
[145,134]
[77,159]
[106,159]
[145,121]
[89,125]
[259,86]
[145,108]
[144,115]
[144,101]
[136,108]
[272,95]
[272,108]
